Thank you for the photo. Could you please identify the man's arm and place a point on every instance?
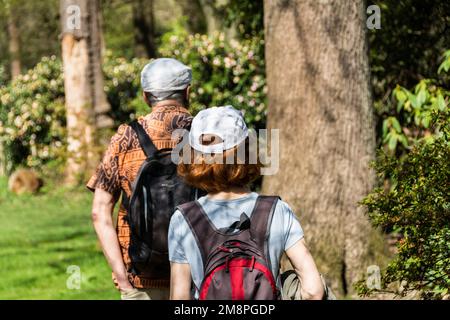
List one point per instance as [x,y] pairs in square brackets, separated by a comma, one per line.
[305,268]
[102,212]
[180,281]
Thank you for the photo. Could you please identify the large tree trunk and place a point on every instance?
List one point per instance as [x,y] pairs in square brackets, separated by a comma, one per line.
[319,97]
[14,44]
[144,29]
[83,84]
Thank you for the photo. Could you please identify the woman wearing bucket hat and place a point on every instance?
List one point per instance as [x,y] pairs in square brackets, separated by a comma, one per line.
[228,244]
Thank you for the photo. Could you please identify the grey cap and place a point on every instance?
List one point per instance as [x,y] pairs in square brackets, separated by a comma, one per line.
[165,75]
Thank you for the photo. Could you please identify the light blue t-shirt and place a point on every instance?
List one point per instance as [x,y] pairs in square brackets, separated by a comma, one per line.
[285,231]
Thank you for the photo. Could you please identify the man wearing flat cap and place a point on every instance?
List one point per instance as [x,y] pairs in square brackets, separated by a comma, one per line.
[165,83]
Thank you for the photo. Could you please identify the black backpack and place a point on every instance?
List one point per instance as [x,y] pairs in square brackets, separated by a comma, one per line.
[236,264]
[156,192]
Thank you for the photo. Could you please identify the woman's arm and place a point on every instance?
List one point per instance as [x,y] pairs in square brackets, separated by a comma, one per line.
[180,281]
[306,270]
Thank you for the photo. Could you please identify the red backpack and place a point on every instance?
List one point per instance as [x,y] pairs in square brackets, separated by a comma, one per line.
[236,265]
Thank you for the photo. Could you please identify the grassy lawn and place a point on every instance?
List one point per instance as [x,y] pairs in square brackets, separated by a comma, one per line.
[40,237]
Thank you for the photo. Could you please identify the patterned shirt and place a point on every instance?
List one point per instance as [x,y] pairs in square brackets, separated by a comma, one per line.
[121,164]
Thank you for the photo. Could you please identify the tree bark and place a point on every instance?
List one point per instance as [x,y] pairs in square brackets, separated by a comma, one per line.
[196,19]
[83,84]
[102,106]
[14,44]
[2,160]
[144,29]
[212,22]
[319,97]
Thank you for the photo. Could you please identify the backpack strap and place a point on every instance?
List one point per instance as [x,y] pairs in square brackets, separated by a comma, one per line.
[208,237]
[144,140]
[261,220]
[201,227]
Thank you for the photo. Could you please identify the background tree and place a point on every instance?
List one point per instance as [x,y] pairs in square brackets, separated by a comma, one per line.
[83,83]
[195,16]
[144,26]
[14,39]
[319,97]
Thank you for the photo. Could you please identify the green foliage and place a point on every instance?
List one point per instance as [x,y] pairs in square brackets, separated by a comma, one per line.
[247,16]
[412,116]
[417,206]
[413,36]
[223,72]
[3,76]
[38,25]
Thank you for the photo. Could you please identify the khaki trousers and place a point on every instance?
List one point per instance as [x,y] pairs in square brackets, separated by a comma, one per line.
[145,294]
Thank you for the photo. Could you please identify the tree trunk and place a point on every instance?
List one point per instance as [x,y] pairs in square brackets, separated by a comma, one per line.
[212,22]
[102,106]
[2,160]
[83,84]
[319,97]
[193,12]
[144,29]
[14,44]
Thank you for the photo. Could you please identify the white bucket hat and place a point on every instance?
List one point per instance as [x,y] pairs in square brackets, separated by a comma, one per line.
[225,122]
[165,75]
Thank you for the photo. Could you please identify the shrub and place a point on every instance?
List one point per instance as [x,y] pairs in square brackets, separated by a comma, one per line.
[32,115]
[418,207]
[32,111]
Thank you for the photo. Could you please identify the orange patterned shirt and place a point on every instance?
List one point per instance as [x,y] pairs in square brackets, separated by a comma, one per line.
[121,164]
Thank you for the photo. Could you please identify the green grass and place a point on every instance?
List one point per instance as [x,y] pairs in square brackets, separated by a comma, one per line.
[40,237]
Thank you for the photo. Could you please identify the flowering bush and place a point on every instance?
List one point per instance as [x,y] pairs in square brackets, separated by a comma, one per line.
[223,72]
[122,87]
[32,112]
[32,115]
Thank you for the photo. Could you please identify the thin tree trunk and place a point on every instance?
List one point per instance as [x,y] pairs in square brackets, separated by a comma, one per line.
[102,106]
[144,29]
[2,160]
[14,44]
[82,84]
[196,19]
[213,24]
[319,97]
